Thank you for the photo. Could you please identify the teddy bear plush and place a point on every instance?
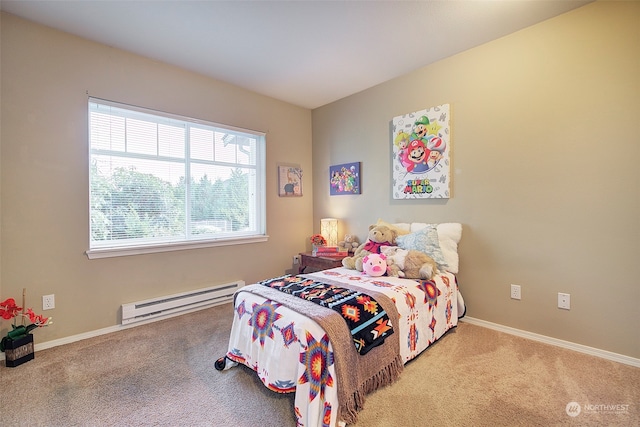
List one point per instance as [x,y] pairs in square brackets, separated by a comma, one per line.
[379,235]
[410,264]
[350,243]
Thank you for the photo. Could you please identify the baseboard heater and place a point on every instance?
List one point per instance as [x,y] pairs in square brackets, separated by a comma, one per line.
[172,304]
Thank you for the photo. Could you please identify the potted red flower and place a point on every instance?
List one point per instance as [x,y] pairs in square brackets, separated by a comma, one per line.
[18,344]
[317,240]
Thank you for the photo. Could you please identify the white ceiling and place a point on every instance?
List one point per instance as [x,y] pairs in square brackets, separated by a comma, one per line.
[308,53]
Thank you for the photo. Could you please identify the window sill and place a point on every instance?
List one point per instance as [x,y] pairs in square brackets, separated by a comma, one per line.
[169,247]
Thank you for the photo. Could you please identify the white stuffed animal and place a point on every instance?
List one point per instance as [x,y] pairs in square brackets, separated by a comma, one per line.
[410,264]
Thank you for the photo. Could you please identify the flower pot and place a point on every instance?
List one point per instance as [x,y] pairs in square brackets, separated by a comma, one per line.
[18,350]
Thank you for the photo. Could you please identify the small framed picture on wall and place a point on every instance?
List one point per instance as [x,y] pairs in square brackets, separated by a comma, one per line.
[289,181]
[344,179]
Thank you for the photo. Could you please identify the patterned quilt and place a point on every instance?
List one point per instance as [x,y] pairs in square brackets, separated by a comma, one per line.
[292,353]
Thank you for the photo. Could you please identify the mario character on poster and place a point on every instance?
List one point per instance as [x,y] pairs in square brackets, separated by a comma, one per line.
[421,148]
[344,179]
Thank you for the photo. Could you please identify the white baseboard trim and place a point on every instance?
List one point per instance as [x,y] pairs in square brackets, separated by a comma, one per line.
[615,357]
[108,330]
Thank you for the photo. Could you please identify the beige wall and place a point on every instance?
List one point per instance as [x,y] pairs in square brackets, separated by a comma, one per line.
[546,148]
[47,77]
[545,178]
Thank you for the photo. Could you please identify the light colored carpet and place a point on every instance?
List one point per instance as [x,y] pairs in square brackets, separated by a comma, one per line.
[163,374]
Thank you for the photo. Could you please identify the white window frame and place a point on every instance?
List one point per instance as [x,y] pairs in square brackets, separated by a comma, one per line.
[258,234]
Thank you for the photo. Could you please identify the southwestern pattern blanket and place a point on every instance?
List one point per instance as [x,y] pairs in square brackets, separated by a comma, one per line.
[368,323]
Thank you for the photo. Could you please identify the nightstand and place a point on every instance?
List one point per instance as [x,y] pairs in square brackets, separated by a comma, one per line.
[310,263]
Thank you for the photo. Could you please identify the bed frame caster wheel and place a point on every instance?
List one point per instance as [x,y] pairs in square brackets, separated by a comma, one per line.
[221,363]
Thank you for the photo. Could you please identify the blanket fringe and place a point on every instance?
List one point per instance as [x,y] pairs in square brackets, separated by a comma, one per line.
[348,411]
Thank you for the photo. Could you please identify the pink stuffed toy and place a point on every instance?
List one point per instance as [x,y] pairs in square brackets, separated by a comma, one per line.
[374,265]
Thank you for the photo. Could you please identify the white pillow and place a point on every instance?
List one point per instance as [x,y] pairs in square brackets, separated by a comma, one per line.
[449,235]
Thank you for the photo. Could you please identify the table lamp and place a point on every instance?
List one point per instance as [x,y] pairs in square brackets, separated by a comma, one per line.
[329,230]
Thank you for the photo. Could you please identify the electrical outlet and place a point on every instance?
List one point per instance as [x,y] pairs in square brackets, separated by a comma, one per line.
[564,301]
[516,292]
[48,302]
[296,259]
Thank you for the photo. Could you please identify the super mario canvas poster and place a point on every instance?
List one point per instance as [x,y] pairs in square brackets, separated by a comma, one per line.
[344,179]
[421,154]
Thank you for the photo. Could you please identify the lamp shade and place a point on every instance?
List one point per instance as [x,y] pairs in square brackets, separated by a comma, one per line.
[329,230]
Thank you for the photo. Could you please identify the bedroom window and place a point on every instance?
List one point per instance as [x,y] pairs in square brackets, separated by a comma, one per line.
[162,182]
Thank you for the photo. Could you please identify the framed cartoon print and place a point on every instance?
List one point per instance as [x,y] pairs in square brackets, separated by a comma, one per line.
[344,179]
[289,181]
[421,148]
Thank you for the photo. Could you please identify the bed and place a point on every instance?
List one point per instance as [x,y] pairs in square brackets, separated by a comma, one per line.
[296,345]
